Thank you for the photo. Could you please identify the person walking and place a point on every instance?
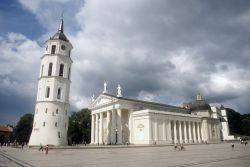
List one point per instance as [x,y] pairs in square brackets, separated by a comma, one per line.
[22,145]
[41,147]
[245,143]
[232,144]
[47,149]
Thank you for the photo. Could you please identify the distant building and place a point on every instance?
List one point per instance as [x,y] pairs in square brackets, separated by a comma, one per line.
[50,123]
[5,133]
[120,120]
[187,105]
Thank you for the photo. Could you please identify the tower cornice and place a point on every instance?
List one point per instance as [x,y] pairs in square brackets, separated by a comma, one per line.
[57,55]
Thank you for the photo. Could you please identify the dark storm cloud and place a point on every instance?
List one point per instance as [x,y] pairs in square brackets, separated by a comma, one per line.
[168,48]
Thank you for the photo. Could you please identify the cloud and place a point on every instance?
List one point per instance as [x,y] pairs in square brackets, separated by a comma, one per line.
[164,51]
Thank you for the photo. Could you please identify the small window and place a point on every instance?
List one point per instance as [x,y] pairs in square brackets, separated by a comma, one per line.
[55,124]
[53,49]
[46,48]
[43,123]
[37,111]
[46,110]
[59,135]
[66,112]
[47,92]
[59,93]
[57,111]
[69,52]
[50,69]
[61,70]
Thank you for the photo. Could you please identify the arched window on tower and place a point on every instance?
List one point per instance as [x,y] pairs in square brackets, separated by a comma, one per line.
[55,124]
[50,69]
[59,93]
[61,70]
[69,74]
[47,92]
[53,49]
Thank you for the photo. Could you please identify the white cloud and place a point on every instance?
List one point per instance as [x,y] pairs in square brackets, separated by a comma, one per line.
[19,62]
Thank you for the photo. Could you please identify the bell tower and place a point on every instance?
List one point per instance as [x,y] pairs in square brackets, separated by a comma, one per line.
[50,123]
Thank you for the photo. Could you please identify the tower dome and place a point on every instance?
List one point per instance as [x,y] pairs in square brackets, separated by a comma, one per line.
[59,34]
[200,104]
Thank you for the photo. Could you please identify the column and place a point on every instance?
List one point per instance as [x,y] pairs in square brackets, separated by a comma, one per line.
[190,132]
[155,130]
[113,127]
[180,132]
[185,131]
[119,126]
[169,131]
[130,127]
[164,130]
[92,129]
[175,133]
[194,133]
[108,128]
[96,129]
[101,129]
[210,131]
[198,132]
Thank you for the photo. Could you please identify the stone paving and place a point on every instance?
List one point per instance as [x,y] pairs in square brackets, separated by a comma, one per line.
[209,155]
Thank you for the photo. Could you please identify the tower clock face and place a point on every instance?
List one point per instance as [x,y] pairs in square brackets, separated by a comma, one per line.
[63,47]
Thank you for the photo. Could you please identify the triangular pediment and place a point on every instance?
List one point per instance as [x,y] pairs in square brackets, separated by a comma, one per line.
[101,100]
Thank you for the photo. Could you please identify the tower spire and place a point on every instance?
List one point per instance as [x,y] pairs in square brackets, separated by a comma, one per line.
[61,25]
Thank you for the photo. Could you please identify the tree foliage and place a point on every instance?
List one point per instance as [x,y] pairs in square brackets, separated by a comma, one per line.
[80,127]
[24,128]
[238,124]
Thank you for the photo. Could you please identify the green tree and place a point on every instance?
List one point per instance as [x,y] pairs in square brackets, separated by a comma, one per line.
[234,121]
[24,128]
[246,126]
[80,126]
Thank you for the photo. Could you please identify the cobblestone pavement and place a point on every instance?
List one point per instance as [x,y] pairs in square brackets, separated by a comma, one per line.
[215,155]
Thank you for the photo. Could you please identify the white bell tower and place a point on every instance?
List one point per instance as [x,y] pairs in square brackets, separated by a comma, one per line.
[50,123]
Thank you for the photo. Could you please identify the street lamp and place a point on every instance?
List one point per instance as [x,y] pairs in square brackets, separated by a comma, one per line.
[116,136]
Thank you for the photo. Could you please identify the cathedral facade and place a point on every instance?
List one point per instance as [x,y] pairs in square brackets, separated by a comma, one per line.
[120,120]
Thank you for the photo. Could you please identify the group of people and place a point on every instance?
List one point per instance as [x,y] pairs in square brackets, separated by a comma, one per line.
[46,148]
[180,147]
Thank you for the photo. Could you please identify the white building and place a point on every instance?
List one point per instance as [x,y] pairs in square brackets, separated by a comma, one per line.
[222,115]
[119,120]
[50,123]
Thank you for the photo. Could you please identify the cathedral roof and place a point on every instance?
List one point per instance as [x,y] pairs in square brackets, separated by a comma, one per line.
[200,104]
[60,35]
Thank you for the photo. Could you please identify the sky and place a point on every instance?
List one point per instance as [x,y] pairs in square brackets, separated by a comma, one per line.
[158,50]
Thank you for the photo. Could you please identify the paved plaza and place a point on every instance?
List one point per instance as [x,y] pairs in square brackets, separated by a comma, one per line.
[210,155]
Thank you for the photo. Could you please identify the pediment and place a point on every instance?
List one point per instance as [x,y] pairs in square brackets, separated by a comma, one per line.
[102,100]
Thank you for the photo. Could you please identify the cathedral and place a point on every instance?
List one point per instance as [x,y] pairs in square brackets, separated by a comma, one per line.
[120,120]
[114,118]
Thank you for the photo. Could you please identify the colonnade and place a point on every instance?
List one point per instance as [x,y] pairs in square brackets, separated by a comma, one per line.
[177,131]
[187,132]
[113,131]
